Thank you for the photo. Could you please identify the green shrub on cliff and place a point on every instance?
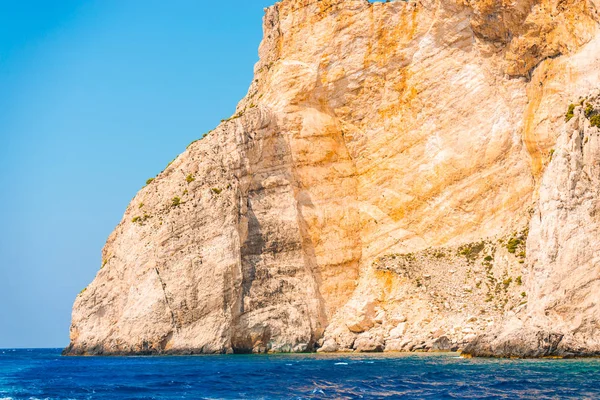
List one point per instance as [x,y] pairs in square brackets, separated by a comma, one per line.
[595,121]
[570,112]
[471,250]
[149,181]
[175,201]
[512,245]
[589,110]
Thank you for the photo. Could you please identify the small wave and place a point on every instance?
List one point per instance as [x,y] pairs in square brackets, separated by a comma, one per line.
[341,363]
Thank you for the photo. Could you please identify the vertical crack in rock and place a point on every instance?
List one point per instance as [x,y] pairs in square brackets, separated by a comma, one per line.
[163,288]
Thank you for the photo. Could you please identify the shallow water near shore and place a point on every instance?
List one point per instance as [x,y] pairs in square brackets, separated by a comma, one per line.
[45,374]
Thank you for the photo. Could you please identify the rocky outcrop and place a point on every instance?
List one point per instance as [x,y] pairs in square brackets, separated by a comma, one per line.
[435,299]
[374,138]
[563,314]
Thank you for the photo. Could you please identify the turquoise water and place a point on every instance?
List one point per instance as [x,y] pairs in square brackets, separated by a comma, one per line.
[44,374]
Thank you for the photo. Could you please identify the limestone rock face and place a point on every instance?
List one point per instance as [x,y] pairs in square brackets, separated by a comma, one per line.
[563,314]
[374,138]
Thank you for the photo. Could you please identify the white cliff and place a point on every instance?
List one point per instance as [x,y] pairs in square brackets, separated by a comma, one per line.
[374,190]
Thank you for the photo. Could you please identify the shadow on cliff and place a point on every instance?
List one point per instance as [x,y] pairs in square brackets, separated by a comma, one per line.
[279,275]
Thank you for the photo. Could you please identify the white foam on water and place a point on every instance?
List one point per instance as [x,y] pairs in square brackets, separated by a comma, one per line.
[341,363]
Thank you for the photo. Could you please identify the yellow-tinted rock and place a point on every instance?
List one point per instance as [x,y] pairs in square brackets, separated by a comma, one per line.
[369,129]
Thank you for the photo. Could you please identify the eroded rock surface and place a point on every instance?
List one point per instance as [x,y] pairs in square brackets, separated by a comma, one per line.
[563,313]
[371,133]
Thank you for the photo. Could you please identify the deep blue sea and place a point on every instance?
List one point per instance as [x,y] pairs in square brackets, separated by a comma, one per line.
[44,374]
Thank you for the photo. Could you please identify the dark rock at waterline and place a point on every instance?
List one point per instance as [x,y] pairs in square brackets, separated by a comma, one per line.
[442,344]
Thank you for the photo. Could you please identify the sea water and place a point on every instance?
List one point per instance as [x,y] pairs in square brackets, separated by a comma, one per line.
[44,374]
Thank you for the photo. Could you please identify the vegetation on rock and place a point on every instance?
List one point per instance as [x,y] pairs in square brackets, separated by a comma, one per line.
[570,112]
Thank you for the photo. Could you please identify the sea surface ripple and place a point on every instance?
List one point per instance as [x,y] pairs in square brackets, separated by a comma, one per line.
[44,374]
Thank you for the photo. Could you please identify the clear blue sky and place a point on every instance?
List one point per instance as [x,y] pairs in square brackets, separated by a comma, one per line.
[96,97]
